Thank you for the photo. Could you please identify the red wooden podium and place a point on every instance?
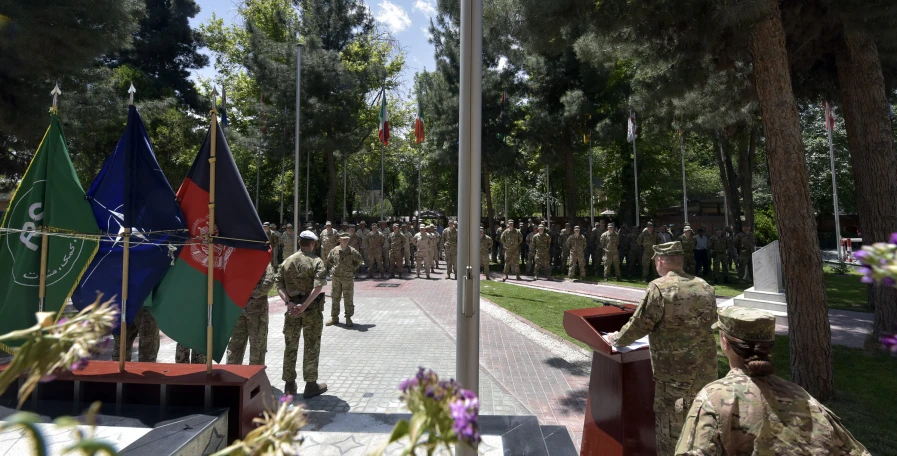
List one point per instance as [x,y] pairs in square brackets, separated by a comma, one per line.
[620,411]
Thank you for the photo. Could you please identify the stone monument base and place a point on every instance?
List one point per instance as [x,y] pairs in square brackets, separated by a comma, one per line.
[771,302]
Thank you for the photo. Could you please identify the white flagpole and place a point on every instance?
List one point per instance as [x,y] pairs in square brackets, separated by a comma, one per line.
[547,198]
[831,156]
[684,192]
[635,171]
[258,156]
[725,198]
[345,181]
[591,192]
[296,228]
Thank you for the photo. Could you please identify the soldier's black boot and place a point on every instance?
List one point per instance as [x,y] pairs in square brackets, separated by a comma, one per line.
[313,389]
[349,322]
[290,388]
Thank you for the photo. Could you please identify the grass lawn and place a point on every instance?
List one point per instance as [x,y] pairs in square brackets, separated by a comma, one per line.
[866,382]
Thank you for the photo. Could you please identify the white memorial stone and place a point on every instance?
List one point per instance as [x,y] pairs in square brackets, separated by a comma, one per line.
[767,269]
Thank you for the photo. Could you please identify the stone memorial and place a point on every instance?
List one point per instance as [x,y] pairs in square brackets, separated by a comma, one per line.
[768,292]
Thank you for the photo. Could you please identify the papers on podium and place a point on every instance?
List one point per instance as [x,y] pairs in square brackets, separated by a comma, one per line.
[640,343]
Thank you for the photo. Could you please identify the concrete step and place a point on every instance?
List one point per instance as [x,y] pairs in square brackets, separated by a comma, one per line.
[778,309]
[750,293]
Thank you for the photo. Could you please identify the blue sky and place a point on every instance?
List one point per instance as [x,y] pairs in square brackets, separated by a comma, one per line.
[408,21]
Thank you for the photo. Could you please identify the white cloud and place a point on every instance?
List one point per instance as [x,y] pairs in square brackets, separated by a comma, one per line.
[428,7]
[427,33]
[502,62]
[393,16]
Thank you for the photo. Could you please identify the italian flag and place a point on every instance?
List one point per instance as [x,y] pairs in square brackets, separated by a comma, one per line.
[419,124]
[384,121]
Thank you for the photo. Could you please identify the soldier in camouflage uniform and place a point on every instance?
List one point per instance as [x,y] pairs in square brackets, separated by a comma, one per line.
[555,251]
[450,235]
[409,237]
[530,251]
[185,355]
[564,247]
[375,251]
[719,255]
[354,238]
[542,259]
[634,257]
[485,248]
[329,240]
[363,233]
[610,243]
[433,239]
[422,242]
[688,241]
[344,261]
[576,249]
[145,327]
[750,410]
[287,240]
[252,326]
[273,241]
[396,251]
[647,240]
[745,243]
[676,314]
[299,282]
[510,241]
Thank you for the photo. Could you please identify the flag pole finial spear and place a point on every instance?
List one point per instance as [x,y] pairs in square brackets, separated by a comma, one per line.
[215,99]
[56,93]
[131,92]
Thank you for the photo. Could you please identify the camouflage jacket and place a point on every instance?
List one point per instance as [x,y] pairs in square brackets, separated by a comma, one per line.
[396,243]
[344,262]
[451,236]
[355,241]
[688,244]
[511,239]
[576,244]
[260,292]
[434,241]
[541,243]
[286,243]
[529,238]
[610,241]
[485,245]
[562,239]
[743,415]
[376,241]
[300,274]
[422,242]
[274,240]
[717,244]
[676,315]
[646,240]
[745,241]
[329,240]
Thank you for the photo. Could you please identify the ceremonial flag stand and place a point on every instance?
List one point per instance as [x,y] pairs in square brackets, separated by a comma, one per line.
[210,236]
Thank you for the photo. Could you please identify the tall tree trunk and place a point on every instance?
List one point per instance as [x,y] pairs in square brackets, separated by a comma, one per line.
[746,164]
[872,158]
[727,178]
[333,188]
[570,199]
[810,335]
[489,210]
[732,181]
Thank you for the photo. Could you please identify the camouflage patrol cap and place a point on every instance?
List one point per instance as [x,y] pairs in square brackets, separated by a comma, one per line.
[510,222]
[687,228]
[395,225]
[566,224]
[576,228]
[747,324]
[328,223]
[650,223]
[288,225]
[345,236]
[431,226]
[266,224]
[668,249]
[610,225]
[362,222]
[422,226]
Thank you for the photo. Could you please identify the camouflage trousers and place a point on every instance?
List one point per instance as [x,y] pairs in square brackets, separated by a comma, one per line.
[408,258]
[421,262]
[577,259]
[649,271]
[396,260]
[542,263]
[431,260]
[275,258]
[672,400]
[745,263]
[512,261]
[565,254]
[611,261]
[311,325]
[184,355]
[342,288]
[373,261]
[689,262]
[252,327]
[632,259]
[530,259]
[451,259]
[720,269]
[597,259]
[144,326]
[484,264]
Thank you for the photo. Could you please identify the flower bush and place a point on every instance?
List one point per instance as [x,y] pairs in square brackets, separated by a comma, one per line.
[277,433]
[878,263]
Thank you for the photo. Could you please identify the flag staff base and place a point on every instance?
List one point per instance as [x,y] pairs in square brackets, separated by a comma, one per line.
[122,320]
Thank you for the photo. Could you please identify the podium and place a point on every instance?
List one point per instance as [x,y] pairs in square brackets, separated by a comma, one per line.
[620,411]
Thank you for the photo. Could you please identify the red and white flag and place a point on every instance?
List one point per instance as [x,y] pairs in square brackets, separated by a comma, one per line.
[632,130]
[829,119]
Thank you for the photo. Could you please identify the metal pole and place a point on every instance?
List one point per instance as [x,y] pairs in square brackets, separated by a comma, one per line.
[635,175]
[296,228]
[258,156]
[506,200]
[210,273]
[345,181]
[831,156]
[419,167]
[591,192]
[283,170]
[547,198]
[469,205]
[125,273]
[684,193]
[382,183]
[725,198]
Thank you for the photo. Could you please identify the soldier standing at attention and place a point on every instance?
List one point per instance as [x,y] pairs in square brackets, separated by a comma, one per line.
[344,261]
[610,243]
[752,411]
[422,242]
[676,314]
[252,326]
[647,240]
[396,251]
[510,240]
[384,230]
[576,249]
[433,238]
[530,251]
[562,244]
[688,242]
[287,241]
[375,251]
[363,235]
[555,234]
[145,327]
[409,236]
[542,257]
[450,235]
[719,256]
[745,243]
[299,281]
[485,248]
[329,240]
[273,241]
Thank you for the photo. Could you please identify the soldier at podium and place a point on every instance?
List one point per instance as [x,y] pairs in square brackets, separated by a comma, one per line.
[676,314]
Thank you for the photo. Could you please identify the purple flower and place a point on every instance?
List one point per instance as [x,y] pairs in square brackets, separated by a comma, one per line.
[867,279]
[407,385]
[464,411]
[47,379]
[62,321]
[893,239]
[80,364]
[286,399]
[888,282]
[890,342]
[860,255]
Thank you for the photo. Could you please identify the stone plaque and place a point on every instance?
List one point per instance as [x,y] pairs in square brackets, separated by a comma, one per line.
[768,269]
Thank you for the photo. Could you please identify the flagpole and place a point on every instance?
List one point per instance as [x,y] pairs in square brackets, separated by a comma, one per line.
[725,198]
[635,169]
[345,180]
[283,168]
[211,233]
[45,239]
[296,229]
[125,266]
[547,198]
[419,166]
[831,155]
[591,191]
[258,156]
[382,183]
[684,193]
[506,199]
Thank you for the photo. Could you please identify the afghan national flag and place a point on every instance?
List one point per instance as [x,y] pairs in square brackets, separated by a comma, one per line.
[631,130]
[240,257]
[384,121]
[829,119]
[418,124]
[131,191]
[50,195]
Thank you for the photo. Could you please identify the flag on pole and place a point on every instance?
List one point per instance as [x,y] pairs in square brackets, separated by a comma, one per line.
[384,121]
[131,191]
[223,106]
[419,124]
[50,195]
[632,130]
[241,255]
[829,120]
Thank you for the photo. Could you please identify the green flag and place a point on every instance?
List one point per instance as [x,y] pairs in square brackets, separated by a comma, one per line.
[51,196]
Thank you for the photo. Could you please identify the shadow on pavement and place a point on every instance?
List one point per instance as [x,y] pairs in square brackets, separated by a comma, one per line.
[568,367]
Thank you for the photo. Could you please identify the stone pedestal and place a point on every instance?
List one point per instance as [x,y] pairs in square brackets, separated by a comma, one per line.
[768,292]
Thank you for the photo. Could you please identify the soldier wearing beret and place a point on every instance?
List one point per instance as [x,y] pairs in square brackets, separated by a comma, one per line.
[752,411]
[676,314]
